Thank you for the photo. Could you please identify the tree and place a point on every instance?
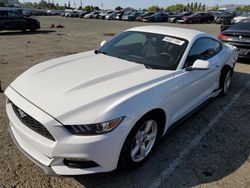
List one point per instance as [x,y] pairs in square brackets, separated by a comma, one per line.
[154,9]
[69,4]
[2,4]
[118,8]
[175,8]
[188,7]
[195,6]
[199,7]
[203,8]
[192,6]
[89,8]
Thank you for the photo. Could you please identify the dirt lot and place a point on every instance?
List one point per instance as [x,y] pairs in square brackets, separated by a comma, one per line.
[211,149]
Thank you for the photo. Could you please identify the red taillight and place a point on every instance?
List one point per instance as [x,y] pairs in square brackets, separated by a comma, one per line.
[223,37]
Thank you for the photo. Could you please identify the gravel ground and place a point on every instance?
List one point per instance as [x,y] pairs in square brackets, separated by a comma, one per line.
[210,149]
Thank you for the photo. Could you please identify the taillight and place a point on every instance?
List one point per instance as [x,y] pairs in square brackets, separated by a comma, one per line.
[223,37]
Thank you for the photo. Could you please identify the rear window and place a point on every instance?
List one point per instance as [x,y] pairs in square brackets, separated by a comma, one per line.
[240,26]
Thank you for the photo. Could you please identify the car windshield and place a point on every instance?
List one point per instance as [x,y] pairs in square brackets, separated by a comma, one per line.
[155,51]
[247,14]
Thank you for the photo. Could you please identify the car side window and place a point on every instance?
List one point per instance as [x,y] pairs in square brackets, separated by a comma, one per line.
[204,49]
[12,15]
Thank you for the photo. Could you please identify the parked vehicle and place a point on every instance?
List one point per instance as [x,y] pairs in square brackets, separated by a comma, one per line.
[91,15]
[111,16]
[157,17]
[132,16]
[103,14]
[239,18]
[225,18]
[178,16]
[11,20]
[125,15]
[239,36]
[119,16]
[200,17]
[145,14]
[71,15]
[96,119]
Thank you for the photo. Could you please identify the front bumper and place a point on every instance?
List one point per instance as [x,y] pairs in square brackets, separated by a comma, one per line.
[104,149]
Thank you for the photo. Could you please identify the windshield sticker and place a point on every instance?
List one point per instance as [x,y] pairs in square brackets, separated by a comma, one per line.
[174,41]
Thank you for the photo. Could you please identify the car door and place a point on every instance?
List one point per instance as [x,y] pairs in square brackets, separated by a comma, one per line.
[198,85]
[16,21]
[4,20]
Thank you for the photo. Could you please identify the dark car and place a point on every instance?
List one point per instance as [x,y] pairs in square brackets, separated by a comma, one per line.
[178,16]
[200,17]
[225,18]
[145,14]
[238,35]
[157,17]
[11,20]
[133,16]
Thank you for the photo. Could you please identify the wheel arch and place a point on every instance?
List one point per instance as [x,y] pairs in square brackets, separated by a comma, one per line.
[158,113]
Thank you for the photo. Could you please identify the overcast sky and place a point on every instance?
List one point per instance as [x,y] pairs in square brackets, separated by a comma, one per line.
[108,4]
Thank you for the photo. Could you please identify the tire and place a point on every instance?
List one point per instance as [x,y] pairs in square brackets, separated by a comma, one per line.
[137,147]
[225,80]
[32,29]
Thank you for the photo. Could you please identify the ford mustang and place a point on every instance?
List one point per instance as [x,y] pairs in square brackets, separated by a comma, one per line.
[105,109]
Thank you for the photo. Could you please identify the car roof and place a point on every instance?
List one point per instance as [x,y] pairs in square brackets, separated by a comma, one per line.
[188,34]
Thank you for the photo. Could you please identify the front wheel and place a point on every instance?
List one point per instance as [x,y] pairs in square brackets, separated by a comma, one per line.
[139,143]
[225,81]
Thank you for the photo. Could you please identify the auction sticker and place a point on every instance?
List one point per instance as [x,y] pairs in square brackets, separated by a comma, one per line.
[174,41]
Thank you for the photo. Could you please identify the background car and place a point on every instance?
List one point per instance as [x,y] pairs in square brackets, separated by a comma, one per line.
[241,17]
[225,18]
[10,20]
[111,16]
[178,16]
[157,17]
[119,15]
[200,17]
[239,36]
[145,14]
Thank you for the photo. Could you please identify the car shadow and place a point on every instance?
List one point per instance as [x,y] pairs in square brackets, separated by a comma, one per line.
[2,33]
[221,152]
[244,60]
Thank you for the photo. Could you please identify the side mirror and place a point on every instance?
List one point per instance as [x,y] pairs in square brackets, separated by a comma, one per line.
[199,65]
[102,43]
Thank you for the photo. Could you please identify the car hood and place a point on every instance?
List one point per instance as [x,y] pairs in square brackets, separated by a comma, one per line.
[84,82]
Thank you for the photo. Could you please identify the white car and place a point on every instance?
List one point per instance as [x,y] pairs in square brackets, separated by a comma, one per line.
[239,18]
[98,110]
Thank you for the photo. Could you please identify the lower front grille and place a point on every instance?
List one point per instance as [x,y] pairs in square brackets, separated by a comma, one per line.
[30,122]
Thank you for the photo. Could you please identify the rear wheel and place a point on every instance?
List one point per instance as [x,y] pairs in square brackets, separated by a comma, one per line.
[225,80]
[140,142]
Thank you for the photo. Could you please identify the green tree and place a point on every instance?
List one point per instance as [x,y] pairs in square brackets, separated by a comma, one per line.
[2,4]
[199,7]
[188,7]
[192,6]
[89,8]
[175,8]
[195,6]
[203,8]
[154,9]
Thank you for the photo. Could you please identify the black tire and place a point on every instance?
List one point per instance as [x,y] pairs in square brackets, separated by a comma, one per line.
[226,73]
[23,30]
[125,160]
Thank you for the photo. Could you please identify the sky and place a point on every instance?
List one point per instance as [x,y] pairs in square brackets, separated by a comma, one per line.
[111,4]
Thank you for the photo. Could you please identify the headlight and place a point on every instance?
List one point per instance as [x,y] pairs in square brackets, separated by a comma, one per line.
[94,129]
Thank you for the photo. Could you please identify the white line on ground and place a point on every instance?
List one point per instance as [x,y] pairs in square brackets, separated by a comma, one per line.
[186,151]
